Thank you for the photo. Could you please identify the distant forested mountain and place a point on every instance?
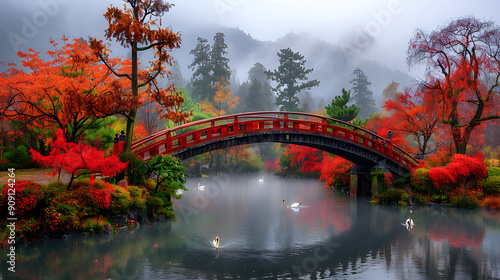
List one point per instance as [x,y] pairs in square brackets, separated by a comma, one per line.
[331,66]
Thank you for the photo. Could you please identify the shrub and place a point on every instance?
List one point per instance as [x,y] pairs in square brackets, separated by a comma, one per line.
[139,196]
[492,185]
[465,201]
[64,211]
[403,182]
[420,180]
[136,170]
[464,168]
[81,183]
[4,166]
[418,199]
[493,171]
[120,201]
[94,225]
[492,201]
[440,177]
[393,196]
[19,156]
[27,195]
[101,197]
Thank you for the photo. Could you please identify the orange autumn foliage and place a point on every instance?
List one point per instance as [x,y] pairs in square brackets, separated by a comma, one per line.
[222,102]
[71,90]
[139,26]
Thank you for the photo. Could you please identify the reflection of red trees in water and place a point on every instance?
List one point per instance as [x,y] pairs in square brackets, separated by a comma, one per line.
[457,236]
[104,264]
[324,211]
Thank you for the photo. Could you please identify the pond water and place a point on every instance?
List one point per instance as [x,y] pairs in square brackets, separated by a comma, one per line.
[330,236]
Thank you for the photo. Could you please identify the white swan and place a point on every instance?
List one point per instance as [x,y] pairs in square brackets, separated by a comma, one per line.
[261,180]
[200,187]
[216,242]
[409,222]
[293,205]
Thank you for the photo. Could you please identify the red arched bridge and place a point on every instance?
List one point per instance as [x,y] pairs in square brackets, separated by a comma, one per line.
[353,143]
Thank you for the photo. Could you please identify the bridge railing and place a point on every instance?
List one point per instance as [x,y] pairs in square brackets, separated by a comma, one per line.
[202,131]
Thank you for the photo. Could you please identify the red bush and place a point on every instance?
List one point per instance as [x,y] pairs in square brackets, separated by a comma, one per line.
[465,168]
[440,176]
[101,197]
[460,170]
[26,194]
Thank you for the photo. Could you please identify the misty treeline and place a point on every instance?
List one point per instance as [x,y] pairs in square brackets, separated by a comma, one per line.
[285,88]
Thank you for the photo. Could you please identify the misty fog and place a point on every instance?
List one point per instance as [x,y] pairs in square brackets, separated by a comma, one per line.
[335,37]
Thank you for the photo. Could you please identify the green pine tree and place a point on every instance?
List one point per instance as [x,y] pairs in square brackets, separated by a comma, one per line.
[218,61]
[339,110]
[201,80]
[362,96]
[288,76]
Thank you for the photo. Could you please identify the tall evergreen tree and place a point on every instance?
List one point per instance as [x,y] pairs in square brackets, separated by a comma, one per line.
[339,110]
[218,62]
[259,97]
[288,76]
[307,103]
[362,96]
[176,77]
[201,80]
[252,101]
[210,66]
[258,72]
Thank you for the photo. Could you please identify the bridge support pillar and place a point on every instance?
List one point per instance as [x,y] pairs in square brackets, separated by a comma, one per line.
[368,181]
[378,177]
[360,181]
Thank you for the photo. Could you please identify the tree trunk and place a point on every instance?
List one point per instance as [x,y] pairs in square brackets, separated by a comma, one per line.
[135,94]
[460,144]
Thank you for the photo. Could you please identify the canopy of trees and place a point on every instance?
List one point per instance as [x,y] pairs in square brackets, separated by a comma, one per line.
[71,90]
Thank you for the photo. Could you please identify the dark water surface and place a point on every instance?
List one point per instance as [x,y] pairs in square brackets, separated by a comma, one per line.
[329,237]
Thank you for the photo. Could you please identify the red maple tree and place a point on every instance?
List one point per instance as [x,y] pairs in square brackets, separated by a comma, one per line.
[75,158]
[416,113]
[463,60]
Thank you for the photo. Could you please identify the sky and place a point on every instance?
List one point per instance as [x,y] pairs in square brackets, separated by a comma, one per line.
[375,29]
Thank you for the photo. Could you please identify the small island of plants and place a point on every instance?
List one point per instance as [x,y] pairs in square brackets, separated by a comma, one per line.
[131,192]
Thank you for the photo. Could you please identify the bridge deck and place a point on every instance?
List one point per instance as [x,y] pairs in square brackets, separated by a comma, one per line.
[174,140]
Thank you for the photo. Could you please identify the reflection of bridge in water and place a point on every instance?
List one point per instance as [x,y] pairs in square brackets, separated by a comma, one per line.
[362,147]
